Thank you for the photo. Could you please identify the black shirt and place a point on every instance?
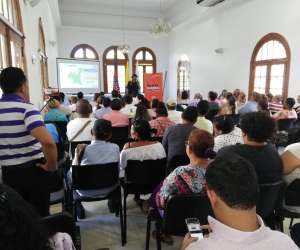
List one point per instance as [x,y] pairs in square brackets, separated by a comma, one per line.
[132,86]
[265,159]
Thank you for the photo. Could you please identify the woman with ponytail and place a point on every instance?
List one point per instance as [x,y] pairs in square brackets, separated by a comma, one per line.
[186,179]
[141,100]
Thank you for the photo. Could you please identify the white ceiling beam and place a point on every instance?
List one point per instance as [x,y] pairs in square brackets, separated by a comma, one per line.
[55,12]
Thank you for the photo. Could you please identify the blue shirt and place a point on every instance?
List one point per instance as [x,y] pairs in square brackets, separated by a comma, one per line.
[53,131]
[52,113]
[247,108]
[100,112]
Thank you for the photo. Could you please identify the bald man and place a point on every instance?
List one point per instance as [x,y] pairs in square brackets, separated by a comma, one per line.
[197,98]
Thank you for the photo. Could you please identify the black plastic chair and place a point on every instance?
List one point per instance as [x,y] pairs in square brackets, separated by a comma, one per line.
[121,142]
[159,139]
[64,223]
[285,124]
[270,201]
[62,126]
[94,177]
[119,132]
[142,177]
[177,161]
[177,209]
[236,119]
[74,146]
[211,114]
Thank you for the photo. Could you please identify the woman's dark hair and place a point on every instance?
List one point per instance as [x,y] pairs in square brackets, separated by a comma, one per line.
[62,96]
[155,103]
[243,191]
[269,95]
[161,109]
[228,95]
[143,100]
[290,101]
[224,123]
[257,126]
[202,143]
[256,96]
[114,94]
[20,225]
[116,104]
[143,129]
[96,95]
[106,102]
[102,129]
[212,95]
[128,99]
[231,102]
[142,113]
[203,107]
[80,95]
[190,114]
[11,79]
[223,93]
[264,105]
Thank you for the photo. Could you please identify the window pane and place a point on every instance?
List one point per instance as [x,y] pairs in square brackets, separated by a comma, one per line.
[259,55]
[263,70]
[276,91]
[121,77]
[148,56]
[257,82]
[279,51]
[139,56]
[110,77]
[270,49]
[141,77]
[13,54]
[120,55]
[79,53]
[265,51]
[10,12]
[262,82]
[89,54]
[3,52]
[1,9]
[149,69]
[110,54]
[257,71]
[5,10]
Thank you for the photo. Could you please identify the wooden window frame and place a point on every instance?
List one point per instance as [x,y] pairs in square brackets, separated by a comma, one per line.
[286,61]
[106,62]
[84,47]
[141,62]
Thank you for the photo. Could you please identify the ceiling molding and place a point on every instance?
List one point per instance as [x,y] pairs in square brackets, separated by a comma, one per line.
[55,12]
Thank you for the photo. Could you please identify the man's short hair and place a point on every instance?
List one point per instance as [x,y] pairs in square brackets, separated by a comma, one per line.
[128,99]
[278,97]
[106,102]
[212,95]
[234,180]
[11,79]
[79,95]
[116,104]
[203,107]
[102,129]
[290,101]
[190,114]
[83,107]
[62,96]
[58,98]
[114,94]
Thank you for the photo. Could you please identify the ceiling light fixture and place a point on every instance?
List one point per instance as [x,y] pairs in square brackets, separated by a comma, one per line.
[124,48]
[160,29]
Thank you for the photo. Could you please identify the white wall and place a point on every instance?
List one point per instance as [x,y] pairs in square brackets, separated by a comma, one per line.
[30,17]
[236,30]
[101,39]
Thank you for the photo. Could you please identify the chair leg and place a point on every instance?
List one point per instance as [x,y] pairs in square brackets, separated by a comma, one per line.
[291,223]
[121,217]
[158,243]
[125,219]
[74,209]
[117,207]
[148,232]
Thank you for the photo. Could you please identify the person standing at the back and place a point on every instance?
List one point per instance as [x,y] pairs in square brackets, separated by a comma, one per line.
[24,142]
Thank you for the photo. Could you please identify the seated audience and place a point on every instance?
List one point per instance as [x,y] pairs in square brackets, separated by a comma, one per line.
[75,114]
[141,113]
[228,95]
[276,104]
[295,234]
[233,192]
[236,94]
[197,98]
[80,95]
[202,123]
[79,128]
[212,96]
[162,122]
[53,131]
[152,111]
[257,128]
[99,152]
[269,96]
[250,106]
[115,116]
[291,169]
[173,114]
[230,107]
[104,110]
[54,115]
[226,133]
[99,104]
[175,136]
[134,95]
[95,102]
[263,106]
[297,109]
[141,100]
[185,179]
[222,96]
[62,108]
[72,106]
[114,95]
[141,149]
[241,100]
[287,112]
[65,101]
[129,108]
[22,228]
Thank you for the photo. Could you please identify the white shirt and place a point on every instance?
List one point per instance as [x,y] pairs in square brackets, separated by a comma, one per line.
[232,138]
[129,110]
[175,116]
[223,237]
[75,125]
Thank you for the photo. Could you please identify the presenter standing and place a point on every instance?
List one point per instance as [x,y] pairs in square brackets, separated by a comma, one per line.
[133,85]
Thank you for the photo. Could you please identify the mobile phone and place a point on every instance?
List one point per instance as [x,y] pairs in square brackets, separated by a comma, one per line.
[193,226]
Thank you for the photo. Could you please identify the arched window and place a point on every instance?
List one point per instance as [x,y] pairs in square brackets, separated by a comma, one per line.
[146,60]
[270,66]
[84,51]
[110,56]
[11,35]
[183,75]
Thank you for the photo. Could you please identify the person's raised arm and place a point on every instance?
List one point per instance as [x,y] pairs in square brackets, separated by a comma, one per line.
[290,162]
[49,148]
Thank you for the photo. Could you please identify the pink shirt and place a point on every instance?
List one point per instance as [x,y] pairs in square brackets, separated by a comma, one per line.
[217,101]
[224,237]
[73,107]
[117,118]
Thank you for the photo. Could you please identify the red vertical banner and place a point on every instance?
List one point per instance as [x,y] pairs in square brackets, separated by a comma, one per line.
[153,86]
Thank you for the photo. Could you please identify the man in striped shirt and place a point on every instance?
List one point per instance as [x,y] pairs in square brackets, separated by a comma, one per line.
[276,104]
[27,151]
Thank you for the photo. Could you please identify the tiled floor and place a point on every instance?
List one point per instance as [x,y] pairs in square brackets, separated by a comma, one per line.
[101,229]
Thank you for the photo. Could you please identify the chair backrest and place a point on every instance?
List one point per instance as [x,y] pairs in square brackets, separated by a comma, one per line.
[270,198]
[292,194]
[93,177]
[211,114]
[285,124]
[181,207]
[179,160]
[61,222]
[147,171]
[74,146]
[121,142]
[119,132]
[62,126]
[236,119]
[159,139]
